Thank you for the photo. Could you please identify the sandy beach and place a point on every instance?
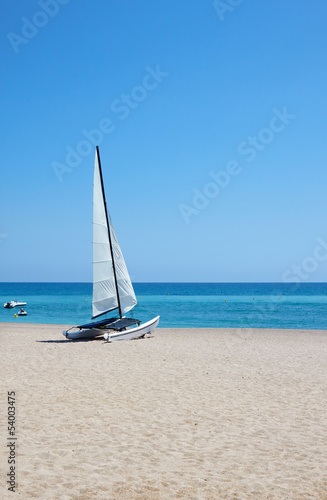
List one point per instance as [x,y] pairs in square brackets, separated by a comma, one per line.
[187,413]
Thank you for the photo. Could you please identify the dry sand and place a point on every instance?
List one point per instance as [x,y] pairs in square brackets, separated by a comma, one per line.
[188,413]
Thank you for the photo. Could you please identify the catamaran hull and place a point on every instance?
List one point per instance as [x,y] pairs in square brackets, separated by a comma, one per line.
[133,333]
[111,335]
[82,334]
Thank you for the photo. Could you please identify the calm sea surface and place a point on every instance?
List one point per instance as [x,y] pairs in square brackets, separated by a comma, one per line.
[256,305]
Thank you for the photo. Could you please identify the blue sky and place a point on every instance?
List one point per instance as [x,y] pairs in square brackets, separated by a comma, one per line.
[181,90]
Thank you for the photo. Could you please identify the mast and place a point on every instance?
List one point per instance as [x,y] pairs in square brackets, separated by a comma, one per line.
[109,235]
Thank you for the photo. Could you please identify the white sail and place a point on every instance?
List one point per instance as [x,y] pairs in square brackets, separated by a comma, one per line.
[104,286]
[125,288]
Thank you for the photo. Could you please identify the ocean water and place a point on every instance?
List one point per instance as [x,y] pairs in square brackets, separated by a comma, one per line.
[240,305]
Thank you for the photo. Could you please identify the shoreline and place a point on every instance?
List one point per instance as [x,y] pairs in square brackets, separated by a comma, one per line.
[212,305]
[187,413]
[7,324]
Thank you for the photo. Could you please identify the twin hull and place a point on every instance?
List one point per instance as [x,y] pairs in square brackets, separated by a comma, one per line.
[112,335]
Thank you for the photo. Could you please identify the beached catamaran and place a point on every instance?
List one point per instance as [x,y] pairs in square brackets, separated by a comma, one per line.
[112,286]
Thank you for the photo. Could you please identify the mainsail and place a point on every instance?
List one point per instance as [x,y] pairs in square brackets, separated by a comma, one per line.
[112,287]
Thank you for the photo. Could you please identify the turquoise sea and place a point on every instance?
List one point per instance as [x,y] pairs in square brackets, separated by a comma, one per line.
[243,305]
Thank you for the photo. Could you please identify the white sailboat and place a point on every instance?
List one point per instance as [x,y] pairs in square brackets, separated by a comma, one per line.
[112,286]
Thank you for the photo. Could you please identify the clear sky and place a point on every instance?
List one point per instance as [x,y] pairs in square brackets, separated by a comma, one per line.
[211,122]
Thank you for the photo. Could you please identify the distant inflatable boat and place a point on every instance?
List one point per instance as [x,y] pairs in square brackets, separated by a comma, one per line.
[13,303]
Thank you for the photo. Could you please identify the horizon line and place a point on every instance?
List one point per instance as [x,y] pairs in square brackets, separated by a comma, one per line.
[178,282]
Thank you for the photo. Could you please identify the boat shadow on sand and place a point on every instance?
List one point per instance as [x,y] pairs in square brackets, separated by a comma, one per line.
[91,339]
[67,341]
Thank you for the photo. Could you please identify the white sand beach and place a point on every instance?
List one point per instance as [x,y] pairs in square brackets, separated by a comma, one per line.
[187,413]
